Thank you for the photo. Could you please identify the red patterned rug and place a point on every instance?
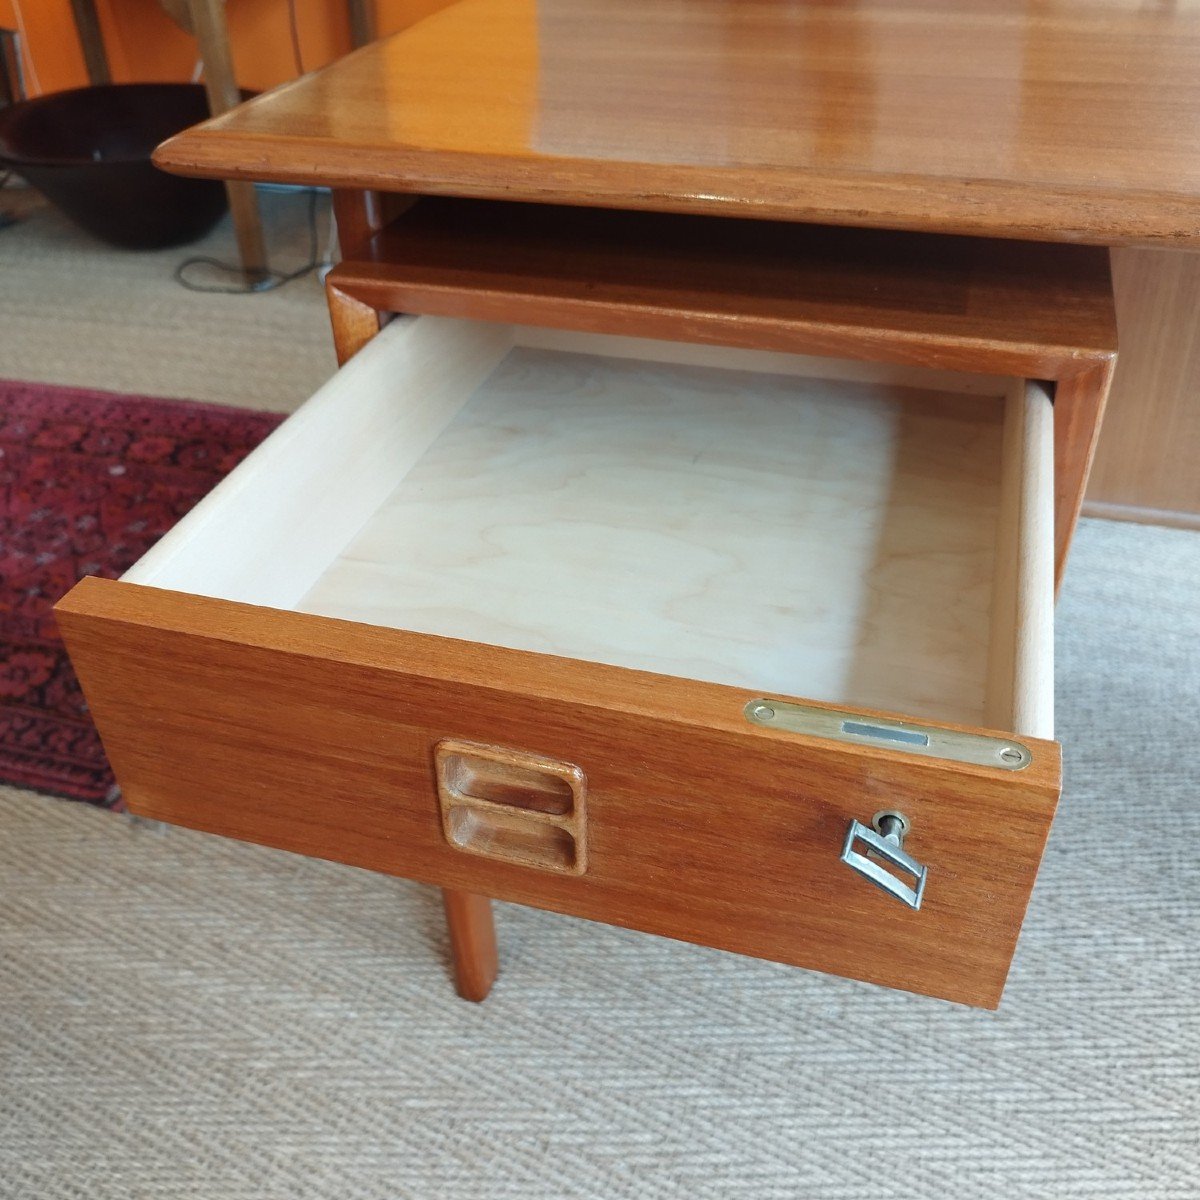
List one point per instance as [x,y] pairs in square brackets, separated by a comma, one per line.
[88,482]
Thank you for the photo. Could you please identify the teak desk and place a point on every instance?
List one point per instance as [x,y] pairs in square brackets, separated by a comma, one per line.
[677,559]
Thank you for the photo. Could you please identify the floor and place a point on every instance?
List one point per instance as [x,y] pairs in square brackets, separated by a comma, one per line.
[185,1017]
[75,312]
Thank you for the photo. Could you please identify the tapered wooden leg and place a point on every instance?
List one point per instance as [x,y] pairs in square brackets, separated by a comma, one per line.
[472,943]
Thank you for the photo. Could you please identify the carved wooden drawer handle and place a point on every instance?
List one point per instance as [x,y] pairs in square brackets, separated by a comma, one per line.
[512,806]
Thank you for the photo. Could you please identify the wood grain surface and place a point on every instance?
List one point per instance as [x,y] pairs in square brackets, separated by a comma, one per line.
[1067,120]
[974,304]
[268,530]
[735,519]
[317,736]
[362,214]
[1080,401]
[354,323]
[512,806]
[765,531]
[473,947]
[1040,311]
[1148,460]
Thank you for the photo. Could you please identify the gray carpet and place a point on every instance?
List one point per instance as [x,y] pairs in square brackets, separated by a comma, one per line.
[186,1017]
[76,312]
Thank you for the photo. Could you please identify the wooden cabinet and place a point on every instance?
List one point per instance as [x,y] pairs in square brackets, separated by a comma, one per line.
[670,632]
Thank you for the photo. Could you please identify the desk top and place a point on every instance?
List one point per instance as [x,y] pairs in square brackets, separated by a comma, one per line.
[1073,120]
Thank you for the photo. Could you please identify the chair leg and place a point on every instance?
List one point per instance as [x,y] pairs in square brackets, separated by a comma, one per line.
[472,943]
[220,81]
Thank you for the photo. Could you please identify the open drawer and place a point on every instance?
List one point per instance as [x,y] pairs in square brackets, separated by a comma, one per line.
[630,630]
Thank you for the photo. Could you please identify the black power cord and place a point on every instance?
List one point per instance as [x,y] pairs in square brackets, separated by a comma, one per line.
[268,281]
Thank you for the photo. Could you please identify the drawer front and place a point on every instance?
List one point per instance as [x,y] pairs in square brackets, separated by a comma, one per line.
[670,811]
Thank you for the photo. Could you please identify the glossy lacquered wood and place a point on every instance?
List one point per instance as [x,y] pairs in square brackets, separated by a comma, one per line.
[1066,120]
[512,805]
[472,943]
[955,303]
[317,736]
[891,547]
[980,305]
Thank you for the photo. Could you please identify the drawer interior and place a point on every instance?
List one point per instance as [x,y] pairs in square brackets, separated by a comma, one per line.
[867,536]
